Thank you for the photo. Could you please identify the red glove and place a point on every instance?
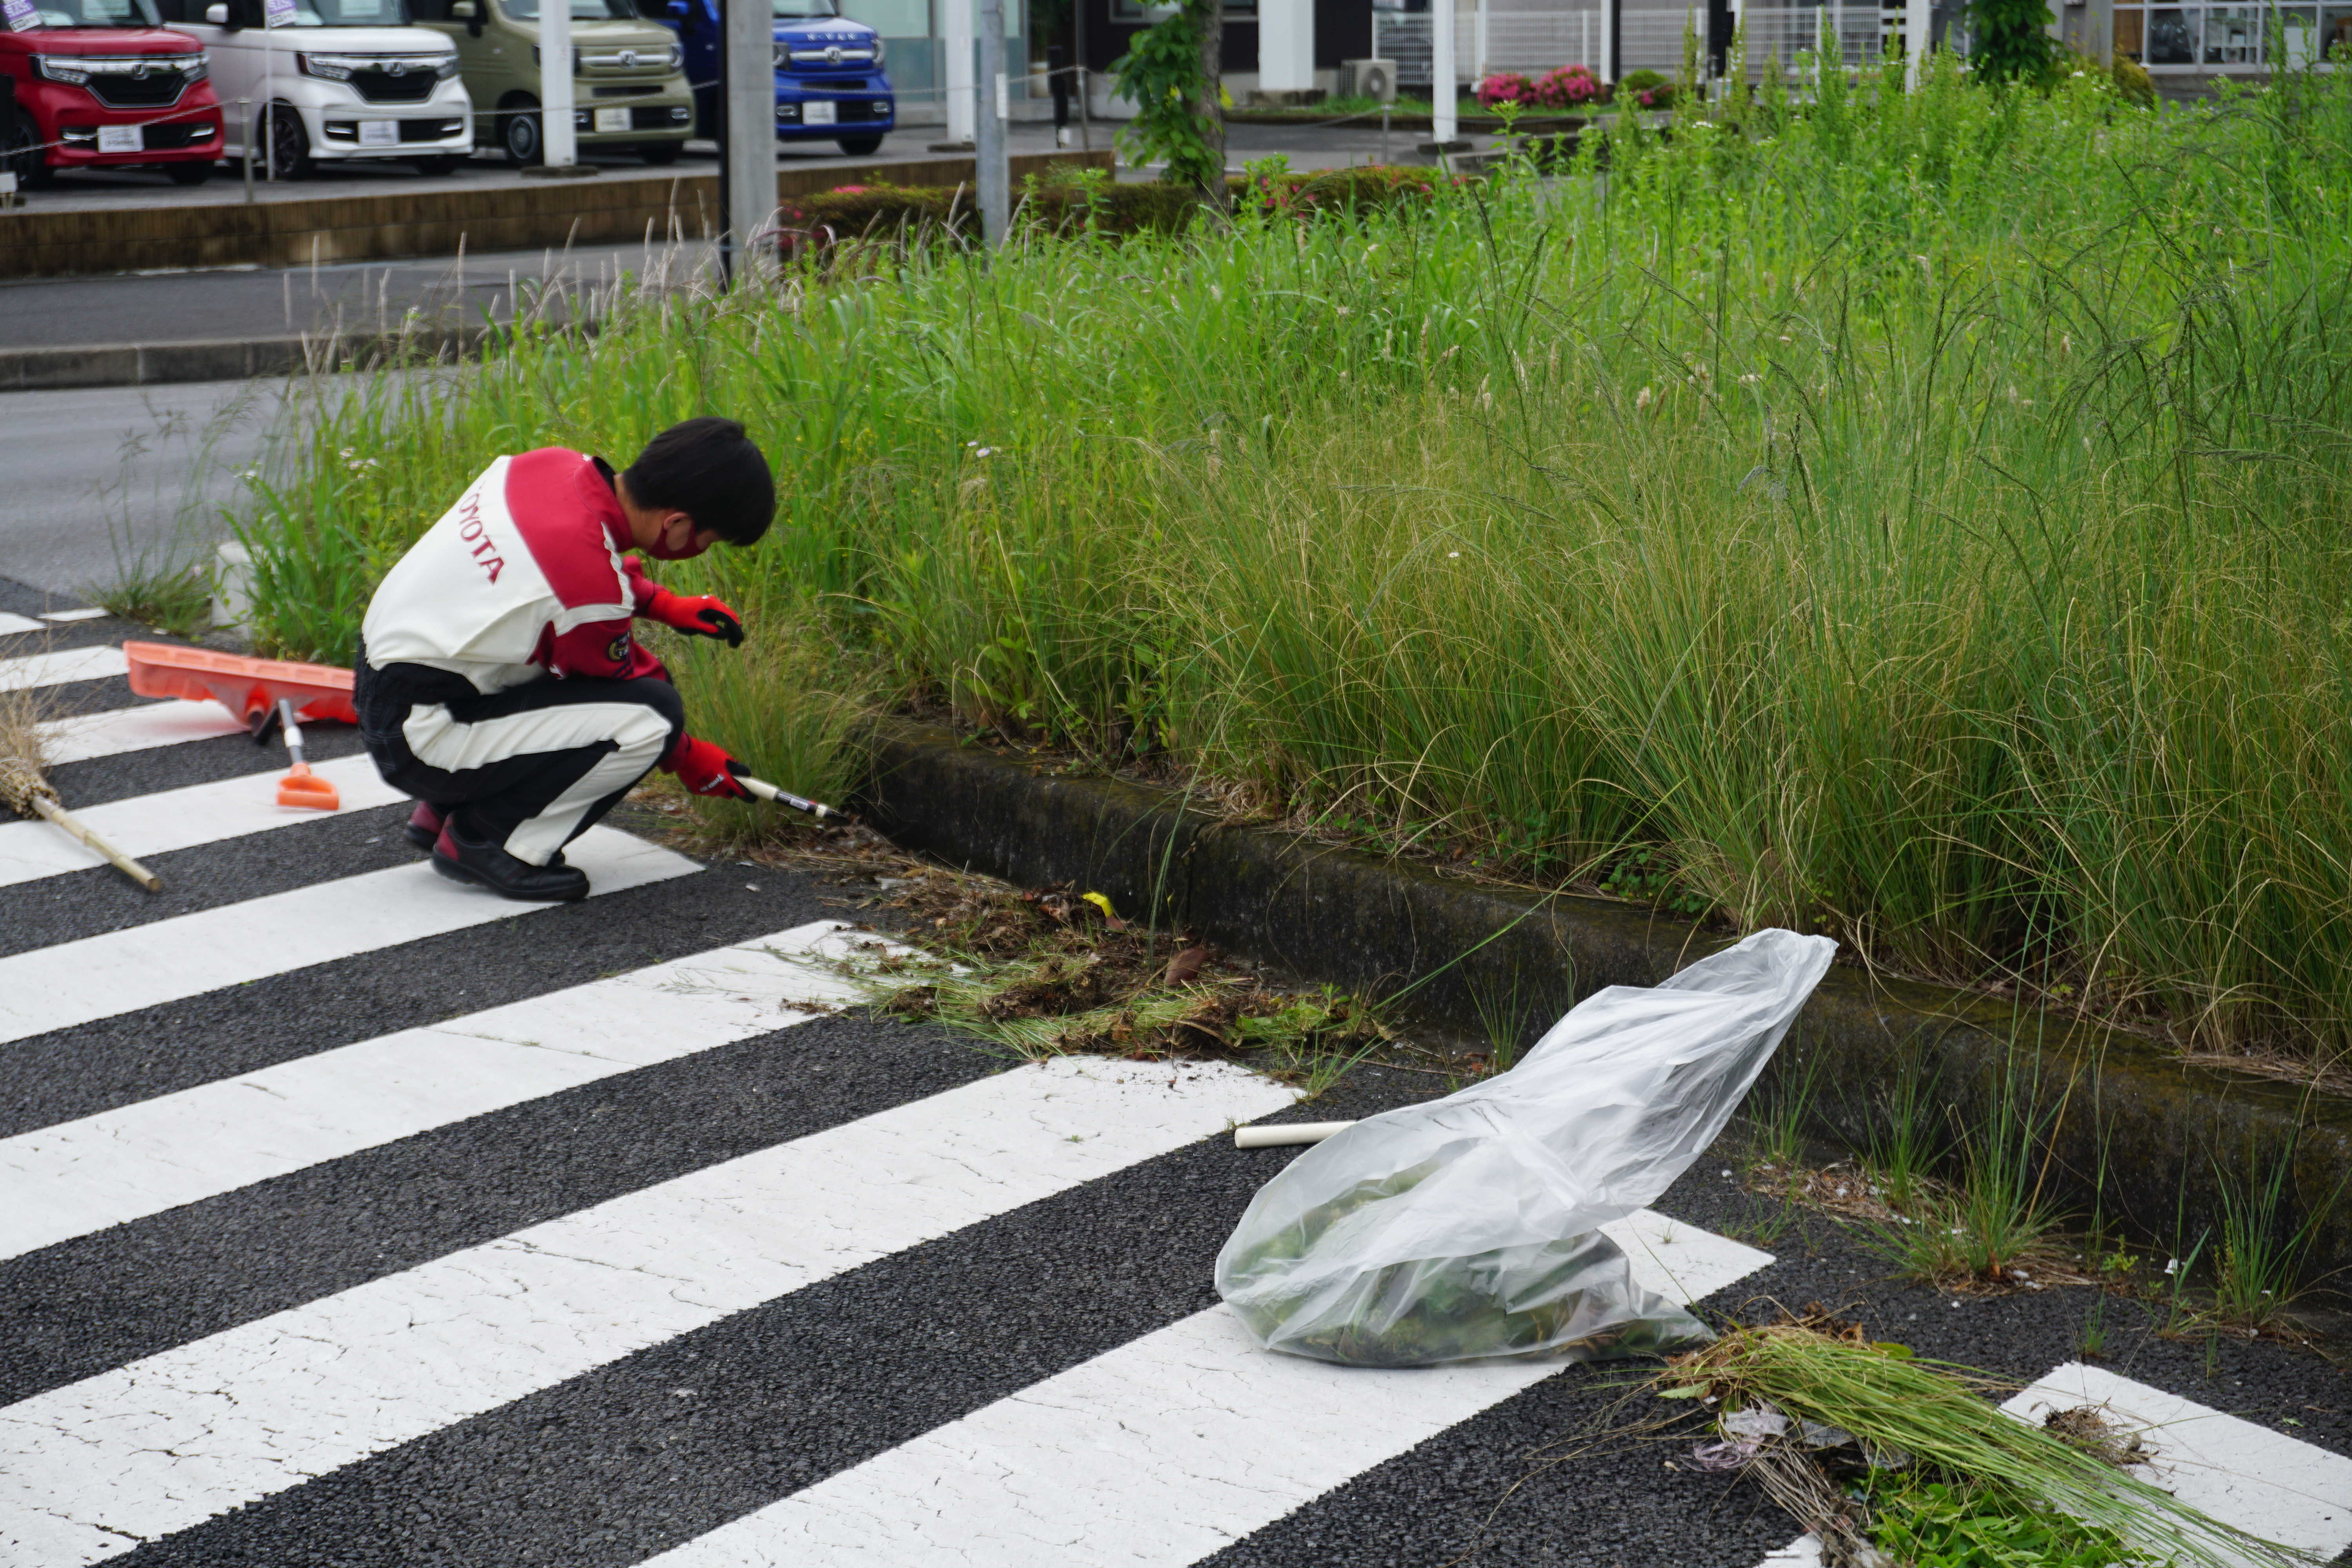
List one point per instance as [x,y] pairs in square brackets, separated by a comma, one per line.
[697,614]
[705,769]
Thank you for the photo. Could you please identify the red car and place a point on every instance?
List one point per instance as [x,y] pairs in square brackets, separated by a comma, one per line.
[101,85]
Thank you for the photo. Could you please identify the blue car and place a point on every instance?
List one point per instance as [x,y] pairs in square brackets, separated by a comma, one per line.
[830,86]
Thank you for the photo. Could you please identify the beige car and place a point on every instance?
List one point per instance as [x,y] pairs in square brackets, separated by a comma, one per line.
[629,90]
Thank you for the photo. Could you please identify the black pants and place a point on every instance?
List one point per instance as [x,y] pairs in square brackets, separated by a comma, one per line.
[529,768]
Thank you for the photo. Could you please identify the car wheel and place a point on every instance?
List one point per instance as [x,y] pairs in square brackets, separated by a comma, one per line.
[189,174]
[289,145]
[660,153]
[21,154]
[518,131]
[433,168]
[861,146]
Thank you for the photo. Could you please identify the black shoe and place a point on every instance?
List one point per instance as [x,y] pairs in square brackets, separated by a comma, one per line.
[424,828]
[489,866]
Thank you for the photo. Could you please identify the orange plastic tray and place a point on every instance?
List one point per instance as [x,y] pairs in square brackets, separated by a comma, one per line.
[245,687]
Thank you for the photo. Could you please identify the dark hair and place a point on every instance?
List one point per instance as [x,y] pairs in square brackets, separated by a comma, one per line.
[709,469]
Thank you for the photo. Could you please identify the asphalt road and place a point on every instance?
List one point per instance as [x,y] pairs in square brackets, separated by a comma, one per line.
[101,483]
[356,1218]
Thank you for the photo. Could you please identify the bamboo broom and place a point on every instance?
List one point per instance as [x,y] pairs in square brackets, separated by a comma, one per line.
[25,792]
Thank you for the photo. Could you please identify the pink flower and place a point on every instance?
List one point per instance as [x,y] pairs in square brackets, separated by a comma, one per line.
[1505,87]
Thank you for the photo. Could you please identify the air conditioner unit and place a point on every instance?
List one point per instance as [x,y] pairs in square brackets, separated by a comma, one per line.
[1367,79]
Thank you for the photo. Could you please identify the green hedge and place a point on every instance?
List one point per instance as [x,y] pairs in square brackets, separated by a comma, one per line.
[1075,206]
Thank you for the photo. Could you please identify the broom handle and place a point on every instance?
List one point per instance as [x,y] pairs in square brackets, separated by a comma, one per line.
[130,867]
[762,790]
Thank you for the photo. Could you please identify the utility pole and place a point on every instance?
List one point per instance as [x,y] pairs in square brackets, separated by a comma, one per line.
[1917,19]
[747,126]
[992,174]
[960,106]
[1443,123]
[559,148]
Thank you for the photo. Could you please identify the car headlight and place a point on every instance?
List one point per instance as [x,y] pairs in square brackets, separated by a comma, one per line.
[63,67]
[328,67]
[783,56]
[678,56]
[197,69]
[879,50]
[445,66]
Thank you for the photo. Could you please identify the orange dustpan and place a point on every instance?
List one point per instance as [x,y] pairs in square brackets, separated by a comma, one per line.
[301,786]
[248,688]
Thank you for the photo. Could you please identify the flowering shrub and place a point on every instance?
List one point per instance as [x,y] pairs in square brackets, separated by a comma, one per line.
[1506,87]
[1568,87]
[1650,89]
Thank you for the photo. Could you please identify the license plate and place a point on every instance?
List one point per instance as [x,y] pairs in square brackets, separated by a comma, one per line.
[121,139]
[819,113]
[612,120]
[379,132]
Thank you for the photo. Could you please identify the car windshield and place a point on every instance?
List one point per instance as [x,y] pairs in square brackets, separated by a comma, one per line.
[83,14]
[344,13]
[581,10]
[804,10]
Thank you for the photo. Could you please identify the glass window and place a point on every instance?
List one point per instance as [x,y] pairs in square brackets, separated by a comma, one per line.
[94,14]
[802,10]
[581,10]
[1138,11]
[2171,39]
[2234,34]
[2336,33]
[2298,36]
[2131,32]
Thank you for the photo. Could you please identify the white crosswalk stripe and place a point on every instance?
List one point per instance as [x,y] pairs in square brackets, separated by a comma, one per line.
[180,819]
[122,1165]
[166,960]
[12,624]
[82,737]
[86,613]
[30,670]
[1159,1453]
[87,1470]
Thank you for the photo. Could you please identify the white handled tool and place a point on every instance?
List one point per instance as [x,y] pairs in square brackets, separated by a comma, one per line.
[1286,1134]
[23,789]
[765,791]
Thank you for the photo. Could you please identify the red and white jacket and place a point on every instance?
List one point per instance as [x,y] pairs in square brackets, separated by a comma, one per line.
[522,579]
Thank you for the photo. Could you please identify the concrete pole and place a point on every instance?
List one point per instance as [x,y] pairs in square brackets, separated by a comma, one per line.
[1478,40]
[1608,63]
[1443,123]
[992,171]
[747,33]
[1919,17]
[1286,45]
[960,94]
[561,149]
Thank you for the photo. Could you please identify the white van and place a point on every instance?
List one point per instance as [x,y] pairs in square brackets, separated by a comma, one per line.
[334,81]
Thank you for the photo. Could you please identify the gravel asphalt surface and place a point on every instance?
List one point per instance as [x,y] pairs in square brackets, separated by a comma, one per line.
[650,1449]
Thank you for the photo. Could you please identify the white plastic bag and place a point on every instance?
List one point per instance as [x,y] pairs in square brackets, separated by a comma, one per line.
[1467,1227]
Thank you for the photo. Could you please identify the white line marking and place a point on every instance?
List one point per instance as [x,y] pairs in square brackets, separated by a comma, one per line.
[57,668]
[180,819]
[89,1470]
[86,735]
[140,1159]
[66,618]
[140,966]
[2261,1481]
[1159,1453]
[10,625]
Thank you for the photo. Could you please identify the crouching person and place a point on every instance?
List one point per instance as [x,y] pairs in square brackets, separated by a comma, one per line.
[498,680]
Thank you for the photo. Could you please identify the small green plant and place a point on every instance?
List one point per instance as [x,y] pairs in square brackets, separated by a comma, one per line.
[1908,1145]
[1161,73]
[2262,1265]
[1946,1524]
[1645,89]
[177,600]
[2011,41]
[1781,1107]
[1648,875]
[1993,1218]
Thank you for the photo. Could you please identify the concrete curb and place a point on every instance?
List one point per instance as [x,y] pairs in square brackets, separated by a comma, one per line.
[155,365]
[2169,1138]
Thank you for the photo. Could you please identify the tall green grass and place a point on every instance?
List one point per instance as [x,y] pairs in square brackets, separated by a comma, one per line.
[1917,517]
